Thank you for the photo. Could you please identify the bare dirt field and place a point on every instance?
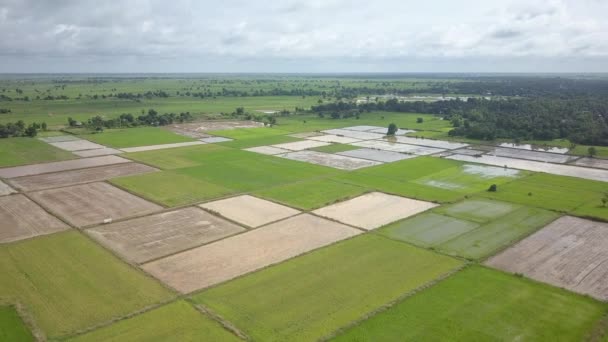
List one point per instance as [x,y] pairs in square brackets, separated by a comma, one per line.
[448,145]
[229,258]
[376,155]
[332,138]
[570,253]
[267,150]
[374,210]
[37,169]
[5,189]
[151,237]
[213,140]
[397,147]
[160,147]
[72,177]
[592,162]
[97,152]
[76,145]
[20,218]
[301,145]
[59,138]
[92,203]
[330,160]
[197,129]
[250,211]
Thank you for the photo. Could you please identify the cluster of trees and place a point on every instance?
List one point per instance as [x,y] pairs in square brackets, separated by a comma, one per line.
[4,111]
[151,118]
[19,129]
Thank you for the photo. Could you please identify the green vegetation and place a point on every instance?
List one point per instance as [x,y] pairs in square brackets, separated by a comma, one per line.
[175,158]
[20,151]
[12,327]
[69,283]
[335,148]
[479,304]
[313,295]
[259,141]
[472,229]
[177,321]
[133,137]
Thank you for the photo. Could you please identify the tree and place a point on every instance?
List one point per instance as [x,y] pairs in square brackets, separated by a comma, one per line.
[419,120]
[493,188]
[605,199]
[31,131]
[592,151]
[392,129]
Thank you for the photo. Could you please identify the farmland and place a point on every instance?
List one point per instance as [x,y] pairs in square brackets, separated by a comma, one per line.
[12,327]
[20,151]
[143,136]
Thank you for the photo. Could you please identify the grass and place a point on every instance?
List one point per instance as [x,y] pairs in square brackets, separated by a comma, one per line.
[311,194]
[133,137]
[311,296]
[480,304]
[177,321]
[12,327]
[21,151]
[335,148]
[68,283]
[175,158]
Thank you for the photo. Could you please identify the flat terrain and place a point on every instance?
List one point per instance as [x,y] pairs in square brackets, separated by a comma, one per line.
[268,150]
[480,304]
[249,210]
[20,151]
[73,177]
[329,160]
[301,145]
[177,321]
[97,152]
[5,189]
[12,327]
[311,296]
[133,137]
[570,252]
[92,203]
[334,148]
[199,130]
[20,218]
[60,277]
[376,155]
[373,210]
[160,147]
[331,138]
[76,145]
[151,237]
[37,169]
[229,258]
[397,147]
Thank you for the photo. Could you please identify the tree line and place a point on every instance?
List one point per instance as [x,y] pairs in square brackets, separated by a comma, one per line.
[151,118]
[19,129]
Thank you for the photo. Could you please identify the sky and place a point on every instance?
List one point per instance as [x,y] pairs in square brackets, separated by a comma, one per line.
[315,36]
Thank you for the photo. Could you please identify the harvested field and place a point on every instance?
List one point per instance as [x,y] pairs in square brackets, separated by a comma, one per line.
[250,211]
[570,252]
[36,169]
[229,258]
[269,150]
[73,177]
[531,155]
[354,134]
[535,148]
[198,130]
[301,145]
[59,138]
[93,203]
[5,189]
[396,147]
[304,135]
[77,145]
[556,169]
[151,237]
[334,139]
[213,140]
[374,210]
[160,147]
[97,152]
[592,162]
[330,160]
[376,155]
[20,218]
[446,145]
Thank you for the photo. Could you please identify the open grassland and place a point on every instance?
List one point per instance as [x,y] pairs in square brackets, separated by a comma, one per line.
[178,321]
[479,304]
[12,327]
[68,283]
[176,158]
[311,296]
[20,151]
[311,194]
[133,137]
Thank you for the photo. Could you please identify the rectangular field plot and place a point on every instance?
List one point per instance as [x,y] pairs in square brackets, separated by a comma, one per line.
[376,155]
[151,237]
[313,295]
[21,151]
[20,218]
[178,322]
[269,150]
[68,283]
[12,327]
[76,145]
[66,178]
[364,128]
[215,140]
[249,210]
[384,131]
[570,252]
[134,137]
[373,210]
[480,304]
[334,139]
[36,169]
[334,148]
[176,158]
[354,134]
[470,178]
[5,189]
[301,145]
[531,155]
[92,203]
[538,148]
[592,162]
[478,210]
[446,145]
[160,147]
[59,138]
[428,229]
[329,160]
[397,147]
[229,258]
[97,152]
[312,194]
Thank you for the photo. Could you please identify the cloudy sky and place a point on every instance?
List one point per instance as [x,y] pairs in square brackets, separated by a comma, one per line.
[303,36]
